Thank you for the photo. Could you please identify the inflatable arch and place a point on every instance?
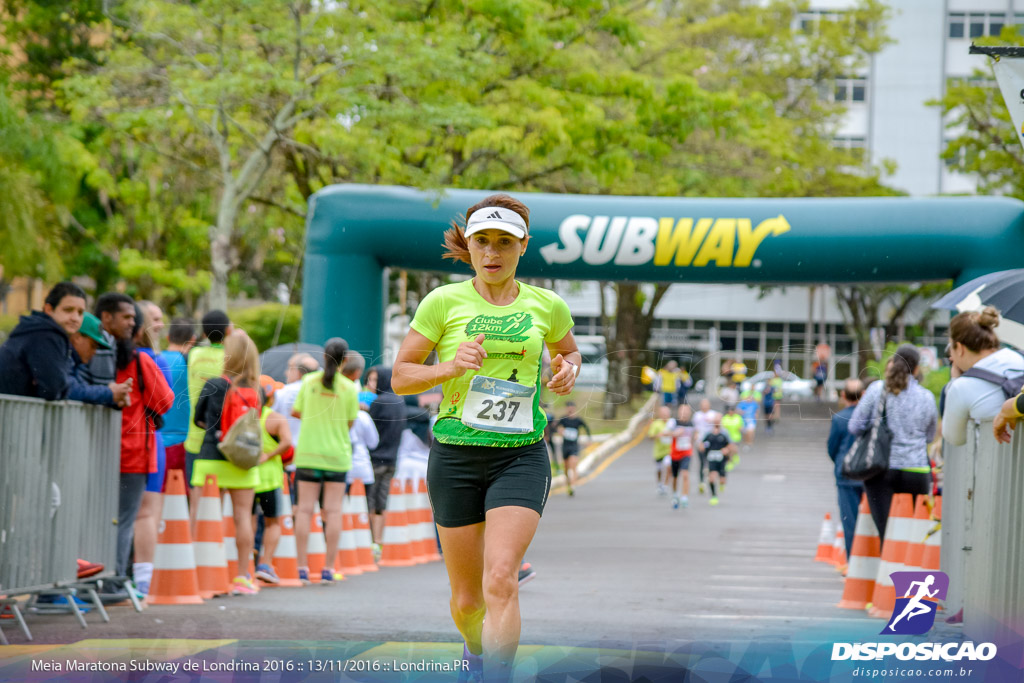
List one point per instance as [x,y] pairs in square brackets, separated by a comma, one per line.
[355,231]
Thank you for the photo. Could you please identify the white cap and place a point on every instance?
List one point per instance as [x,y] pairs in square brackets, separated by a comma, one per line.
[497,218]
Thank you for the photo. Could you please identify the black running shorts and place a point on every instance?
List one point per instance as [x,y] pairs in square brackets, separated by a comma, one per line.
[267,502]
[464,482]
[683,464]
[717,466]
[320,476]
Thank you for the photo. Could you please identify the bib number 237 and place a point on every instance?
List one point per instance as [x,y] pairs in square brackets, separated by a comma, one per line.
[497,405]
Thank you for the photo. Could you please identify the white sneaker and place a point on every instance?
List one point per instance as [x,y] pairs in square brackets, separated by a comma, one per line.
[685,500]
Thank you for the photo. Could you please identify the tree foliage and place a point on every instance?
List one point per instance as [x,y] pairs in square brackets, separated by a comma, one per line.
[197,131]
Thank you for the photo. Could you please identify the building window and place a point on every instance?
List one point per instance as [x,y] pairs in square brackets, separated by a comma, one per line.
[956,25]
[810,21]
[852,143]
[849,89]
[978,24]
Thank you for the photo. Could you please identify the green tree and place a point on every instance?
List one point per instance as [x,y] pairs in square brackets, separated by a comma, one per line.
[985,145]
[216,87]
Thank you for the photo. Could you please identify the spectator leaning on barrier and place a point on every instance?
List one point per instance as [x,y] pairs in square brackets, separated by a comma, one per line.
[973,347]
[912,417]
[116,312]
[839,441]
[181,336]
[84,345]
[150,397]
[388,413]
[34,359]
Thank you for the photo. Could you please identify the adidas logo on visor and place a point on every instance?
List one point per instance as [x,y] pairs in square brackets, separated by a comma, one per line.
[495,215]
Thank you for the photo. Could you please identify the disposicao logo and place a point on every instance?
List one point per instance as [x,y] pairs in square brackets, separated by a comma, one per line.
[914,614]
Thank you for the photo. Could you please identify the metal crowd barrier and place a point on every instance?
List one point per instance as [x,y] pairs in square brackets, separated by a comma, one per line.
[59,480]
[983,533]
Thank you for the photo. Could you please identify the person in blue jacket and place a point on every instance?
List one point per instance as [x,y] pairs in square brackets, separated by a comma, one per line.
[839,441]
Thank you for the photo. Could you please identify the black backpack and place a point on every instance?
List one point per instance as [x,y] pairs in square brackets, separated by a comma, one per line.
[1011,385]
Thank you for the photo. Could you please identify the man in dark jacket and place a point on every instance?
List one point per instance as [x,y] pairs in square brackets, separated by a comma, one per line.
[839,441]
[34,359]
[84,344]
[388,413]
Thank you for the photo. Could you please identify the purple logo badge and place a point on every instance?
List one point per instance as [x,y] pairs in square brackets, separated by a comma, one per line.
[916,593]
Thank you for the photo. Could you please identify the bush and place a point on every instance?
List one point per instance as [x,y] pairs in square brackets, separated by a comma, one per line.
[259,322]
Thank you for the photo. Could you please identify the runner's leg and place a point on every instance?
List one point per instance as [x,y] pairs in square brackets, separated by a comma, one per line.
[463,549]
[334,493]
[507,535]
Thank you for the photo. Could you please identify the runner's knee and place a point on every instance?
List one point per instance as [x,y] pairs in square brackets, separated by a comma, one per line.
[500,583]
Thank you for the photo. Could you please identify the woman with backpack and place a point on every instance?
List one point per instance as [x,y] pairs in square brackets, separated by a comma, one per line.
[909,410]
[222,402]
[328,405]
[979,369]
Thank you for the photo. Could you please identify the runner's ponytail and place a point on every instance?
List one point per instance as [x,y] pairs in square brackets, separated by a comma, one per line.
[334,355]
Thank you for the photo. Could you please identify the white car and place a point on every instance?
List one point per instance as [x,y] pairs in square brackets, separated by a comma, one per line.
[594,370]
[794,388]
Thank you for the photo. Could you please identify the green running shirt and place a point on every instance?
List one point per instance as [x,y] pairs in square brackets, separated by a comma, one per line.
[204,362]
[324,439]
[514,341]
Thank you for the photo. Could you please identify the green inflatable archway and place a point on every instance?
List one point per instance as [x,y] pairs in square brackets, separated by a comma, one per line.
[354,231]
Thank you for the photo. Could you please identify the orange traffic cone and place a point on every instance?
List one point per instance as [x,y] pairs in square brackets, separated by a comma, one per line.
[414,523]
[316,546]
[286,558]
[348,558]
[839,550]
[230,546]
[427,520]
[174,565]
[894,549]
[361,524]
[211,561]
[933,543]
[825,540]
[864,559]
[919,527]
[396,547]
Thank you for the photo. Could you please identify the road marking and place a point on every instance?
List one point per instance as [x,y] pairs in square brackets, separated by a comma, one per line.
[832,591]
[775,617]
[604,465]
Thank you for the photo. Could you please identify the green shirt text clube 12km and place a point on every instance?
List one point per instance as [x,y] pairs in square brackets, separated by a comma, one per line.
[514,339]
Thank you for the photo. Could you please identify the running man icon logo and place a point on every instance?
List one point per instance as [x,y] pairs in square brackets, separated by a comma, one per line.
[914,613]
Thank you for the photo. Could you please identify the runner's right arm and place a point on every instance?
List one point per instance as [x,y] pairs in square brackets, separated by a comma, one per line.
[411,376]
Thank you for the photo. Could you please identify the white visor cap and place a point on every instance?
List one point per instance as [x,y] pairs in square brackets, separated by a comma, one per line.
[496,218]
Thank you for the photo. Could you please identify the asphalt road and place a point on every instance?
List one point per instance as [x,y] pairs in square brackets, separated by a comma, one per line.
[617,567]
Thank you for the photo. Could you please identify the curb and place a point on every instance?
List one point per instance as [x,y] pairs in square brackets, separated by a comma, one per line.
[609,447]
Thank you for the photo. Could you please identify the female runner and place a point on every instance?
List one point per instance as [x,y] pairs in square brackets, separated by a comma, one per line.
[488,473]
